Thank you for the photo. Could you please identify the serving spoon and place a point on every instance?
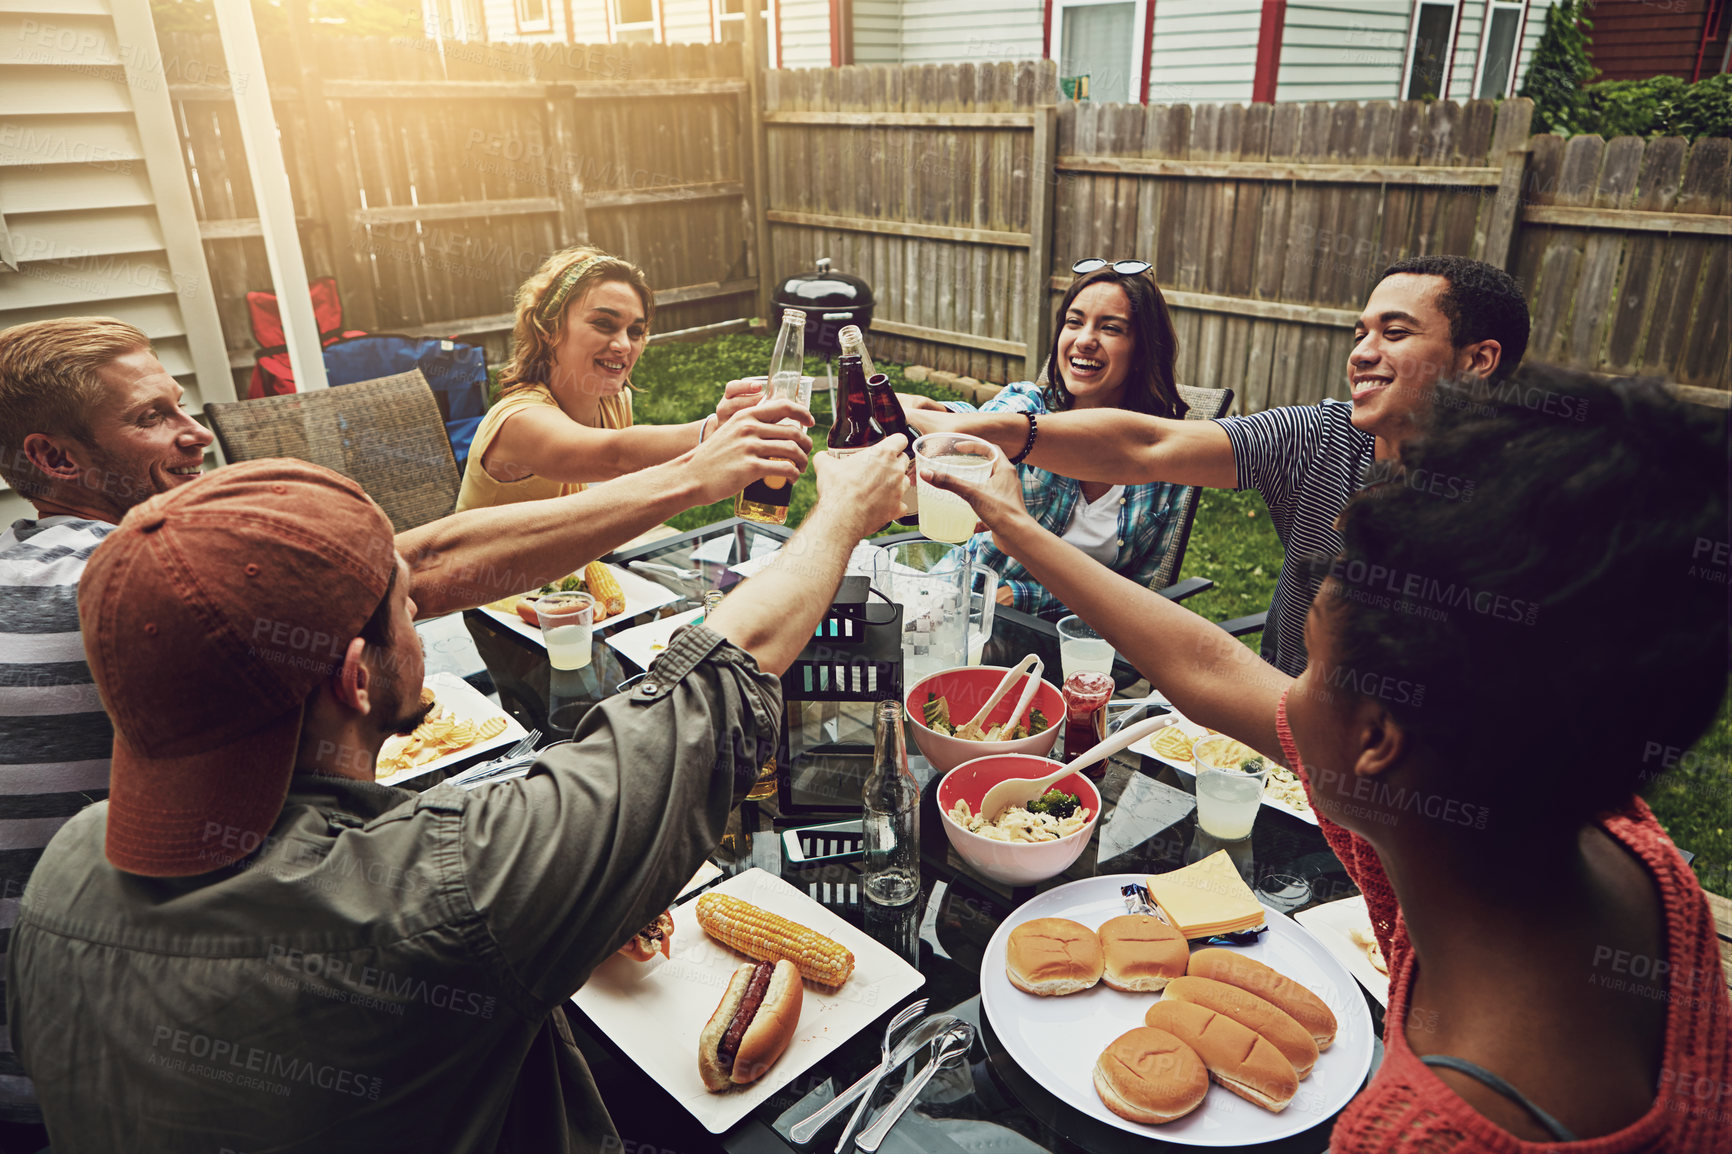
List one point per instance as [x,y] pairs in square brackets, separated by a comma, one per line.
[1022,790]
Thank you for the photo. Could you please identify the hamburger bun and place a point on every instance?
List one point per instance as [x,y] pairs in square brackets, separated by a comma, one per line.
[1142,953]
[1052,956]
[762,1002]
[1272,986]
[1148,1075]
[1276,1025]
[1237,1057]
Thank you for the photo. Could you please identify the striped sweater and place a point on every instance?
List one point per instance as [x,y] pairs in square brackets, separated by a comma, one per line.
[55,738]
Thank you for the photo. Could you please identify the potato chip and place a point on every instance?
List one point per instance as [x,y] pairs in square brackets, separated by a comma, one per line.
[427,697]
[1171,743]
[490,729]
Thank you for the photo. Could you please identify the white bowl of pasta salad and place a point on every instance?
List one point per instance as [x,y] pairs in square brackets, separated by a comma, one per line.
[1022,846]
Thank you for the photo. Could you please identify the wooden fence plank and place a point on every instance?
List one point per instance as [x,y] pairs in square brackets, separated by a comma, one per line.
[925,119]
[1656,188]
[1628,220]
[1437,175]
[1604,253]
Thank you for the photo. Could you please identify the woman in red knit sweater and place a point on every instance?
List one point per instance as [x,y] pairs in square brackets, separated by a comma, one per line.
[1567,626]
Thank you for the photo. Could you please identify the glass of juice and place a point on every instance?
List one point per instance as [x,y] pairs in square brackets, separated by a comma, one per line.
[949,518]
[1081,649]
[1230,781]
[567,628]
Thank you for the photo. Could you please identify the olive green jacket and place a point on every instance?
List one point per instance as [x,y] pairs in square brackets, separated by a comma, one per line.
[387,971]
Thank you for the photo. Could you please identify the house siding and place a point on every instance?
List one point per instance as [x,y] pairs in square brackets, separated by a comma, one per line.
[805,33]
[942,31]
[92,188]
[877,31]
[1343,50]
[685,21]
[1205,51]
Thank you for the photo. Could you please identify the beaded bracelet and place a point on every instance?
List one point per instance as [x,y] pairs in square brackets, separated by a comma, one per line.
[1027,445]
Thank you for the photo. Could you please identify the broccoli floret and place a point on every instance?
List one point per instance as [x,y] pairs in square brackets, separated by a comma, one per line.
[1037,723]
[1252,765]
[1059,805]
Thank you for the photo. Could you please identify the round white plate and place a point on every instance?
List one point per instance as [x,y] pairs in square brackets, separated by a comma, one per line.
[1056,1040]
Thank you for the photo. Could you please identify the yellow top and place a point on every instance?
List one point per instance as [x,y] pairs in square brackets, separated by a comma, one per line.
[1207,897]
[481,491]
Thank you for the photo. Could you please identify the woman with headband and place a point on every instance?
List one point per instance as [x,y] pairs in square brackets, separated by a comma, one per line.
[564,416]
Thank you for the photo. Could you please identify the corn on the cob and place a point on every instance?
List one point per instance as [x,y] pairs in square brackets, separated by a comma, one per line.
[604,587]
[768,937]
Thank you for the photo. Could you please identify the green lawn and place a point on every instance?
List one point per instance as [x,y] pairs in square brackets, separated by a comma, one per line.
[1232,543]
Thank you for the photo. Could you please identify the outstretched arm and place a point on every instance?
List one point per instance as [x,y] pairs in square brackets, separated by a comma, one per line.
[1208,674]
[1110,445]
[480,555]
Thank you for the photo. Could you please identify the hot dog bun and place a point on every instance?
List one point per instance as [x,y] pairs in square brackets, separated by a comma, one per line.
[768,1028]
[1142,953]
[1276,1025]
[1273,987]
[1148,1075]
[653,939]
[1237,1057]
[1051,956]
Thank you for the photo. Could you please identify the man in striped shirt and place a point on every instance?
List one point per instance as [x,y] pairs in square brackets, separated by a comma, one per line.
[1430,321]
[91,425]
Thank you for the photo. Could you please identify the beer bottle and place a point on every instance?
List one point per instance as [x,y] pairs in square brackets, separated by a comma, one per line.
[887,414]
[766,501]
[853,429]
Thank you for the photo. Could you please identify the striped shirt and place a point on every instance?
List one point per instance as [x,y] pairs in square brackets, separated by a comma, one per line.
[55,738]
[1306,461]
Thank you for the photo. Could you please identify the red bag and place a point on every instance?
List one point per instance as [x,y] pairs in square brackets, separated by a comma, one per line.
[272,374]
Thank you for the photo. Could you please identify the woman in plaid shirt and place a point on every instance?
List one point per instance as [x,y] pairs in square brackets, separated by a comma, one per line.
[1114,347]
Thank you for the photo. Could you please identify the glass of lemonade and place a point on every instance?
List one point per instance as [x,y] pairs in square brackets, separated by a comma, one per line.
[1230,781]
[567,628]
[944,516]
[1081,649]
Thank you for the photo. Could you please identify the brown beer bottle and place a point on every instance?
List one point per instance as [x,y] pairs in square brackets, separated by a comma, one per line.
[887,413]
[853,428]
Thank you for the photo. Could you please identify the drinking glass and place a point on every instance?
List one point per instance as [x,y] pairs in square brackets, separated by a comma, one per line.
[945,516]
[1081,649]
[567,628]
[1228,794]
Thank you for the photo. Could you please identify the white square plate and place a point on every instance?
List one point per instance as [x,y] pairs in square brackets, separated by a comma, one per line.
[641,596]
[642,644]
[1057,1040]
[457,695]
[1194,731]
[1333,924]
[655,1010]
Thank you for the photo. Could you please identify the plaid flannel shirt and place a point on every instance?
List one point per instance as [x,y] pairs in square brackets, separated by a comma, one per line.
[1148,516]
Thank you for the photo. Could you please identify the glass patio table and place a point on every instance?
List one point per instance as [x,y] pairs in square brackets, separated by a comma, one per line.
[1147,826]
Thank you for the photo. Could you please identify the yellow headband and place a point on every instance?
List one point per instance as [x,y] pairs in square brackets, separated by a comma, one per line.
[549,309]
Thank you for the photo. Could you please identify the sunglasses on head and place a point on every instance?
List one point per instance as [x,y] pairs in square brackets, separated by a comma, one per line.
[1126,267]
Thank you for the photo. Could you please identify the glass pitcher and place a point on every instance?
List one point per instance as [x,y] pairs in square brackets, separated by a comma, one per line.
[947,606]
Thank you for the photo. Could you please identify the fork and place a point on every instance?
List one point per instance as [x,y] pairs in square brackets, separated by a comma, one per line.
[907,1014]
[525,745]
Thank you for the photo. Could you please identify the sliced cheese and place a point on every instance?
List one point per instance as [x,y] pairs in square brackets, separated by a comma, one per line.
[1206,898]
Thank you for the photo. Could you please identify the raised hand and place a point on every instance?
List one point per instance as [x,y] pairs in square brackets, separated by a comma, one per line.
[754,445]
[871,480]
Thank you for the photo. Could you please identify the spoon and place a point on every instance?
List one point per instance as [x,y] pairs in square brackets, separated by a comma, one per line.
[954,1045]
[1022,790]
[923,1033]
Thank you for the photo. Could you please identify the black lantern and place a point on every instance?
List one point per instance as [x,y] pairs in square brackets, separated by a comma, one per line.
[853,661]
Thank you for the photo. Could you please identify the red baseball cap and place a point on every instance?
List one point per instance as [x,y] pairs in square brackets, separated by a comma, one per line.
[209,615]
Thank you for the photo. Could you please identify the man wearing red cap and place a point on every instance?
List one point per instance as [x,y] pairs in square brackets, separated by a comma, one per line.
[91,426]
[252,945]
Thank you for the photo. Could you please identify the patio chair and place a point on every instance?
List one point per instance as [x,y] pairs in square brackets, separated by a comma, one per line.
[386,434]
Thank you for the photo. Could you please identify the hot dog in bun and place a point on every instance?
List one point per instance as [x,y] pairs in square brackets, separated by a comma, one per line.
[752,1026]
[653,939]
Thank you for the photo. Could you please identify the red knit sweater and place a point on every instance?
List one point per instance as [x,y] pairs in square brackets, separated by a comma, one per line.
[1407,1109]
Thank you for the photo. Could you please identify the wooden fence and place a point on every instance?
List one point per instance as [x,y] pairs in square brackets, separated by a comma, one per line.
[962,193]
[431,195]
[934,184]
